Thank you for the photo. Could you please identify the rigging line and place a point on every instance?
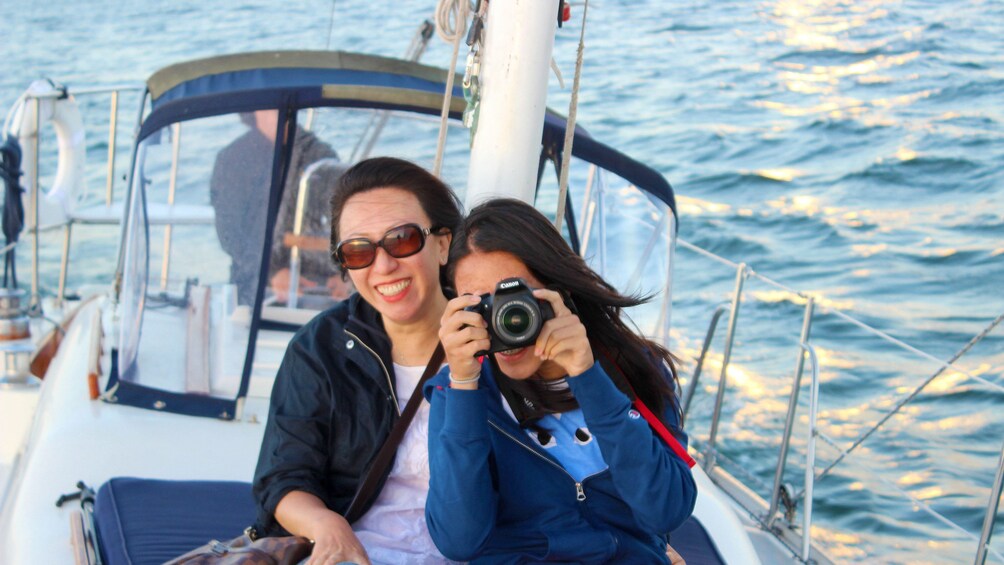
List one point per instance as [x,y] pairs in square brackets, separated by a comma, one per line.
[920,504]
[573,105]
[379,118]
[331,26]
[938,516]
[928,356]
[720,456]
[448,30]
[965,349]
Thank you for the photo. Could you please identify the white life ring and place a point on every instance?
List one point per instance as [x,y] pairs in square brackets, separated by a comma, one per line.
[62,111]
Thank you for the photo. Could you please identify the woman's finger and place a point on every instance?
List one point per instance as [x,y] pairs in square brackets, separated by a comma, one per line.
[554,299]
[459,322]
[459,303]
[551,326]
[566,344]
[568,338]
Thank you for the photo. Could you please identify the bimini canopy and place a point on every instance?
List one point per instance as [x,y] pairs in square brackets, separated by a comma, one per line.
[225,246]
[304,79]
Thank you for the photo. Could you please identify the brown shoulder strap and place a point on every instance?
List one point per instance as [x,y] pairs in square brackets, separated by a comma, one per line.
[386,454]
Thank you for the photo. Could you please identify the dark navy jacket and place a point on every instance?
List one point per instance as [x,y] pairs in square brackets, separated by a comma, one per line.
[497,497]
[332,408]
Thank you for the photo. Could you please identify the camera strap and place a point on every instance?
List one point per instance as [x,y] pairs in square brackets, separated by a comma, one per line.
[368,486]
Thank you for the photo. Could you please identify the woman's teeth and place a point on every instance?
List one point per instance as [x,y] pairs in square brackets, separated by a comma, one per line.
[392,289]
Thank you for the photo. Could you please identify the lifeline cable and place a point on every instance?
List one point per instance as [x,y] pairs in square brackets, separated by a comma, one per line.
[965,349]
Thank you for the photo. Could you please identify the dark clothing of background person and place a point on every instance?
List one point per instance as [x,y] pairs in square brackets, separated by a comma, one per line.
[239,194]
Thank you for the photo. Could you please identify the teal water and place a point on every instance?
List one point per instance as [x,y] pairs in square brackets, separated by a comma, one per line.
[848,149]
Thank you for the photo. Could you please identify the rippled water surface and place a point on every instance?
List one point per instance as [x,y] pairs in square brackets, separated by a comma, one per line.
[850,149]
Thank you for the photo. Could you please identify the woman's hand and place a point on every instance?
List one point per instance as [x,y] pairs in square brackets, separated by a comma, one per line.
[281,281]
[674,557]
[303,514]
[463,334]
[337,543]
[563,339]
[340,289]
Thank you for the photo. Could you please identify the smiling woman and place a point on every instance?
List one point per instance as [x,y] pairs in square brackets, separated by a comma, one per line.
[348,373]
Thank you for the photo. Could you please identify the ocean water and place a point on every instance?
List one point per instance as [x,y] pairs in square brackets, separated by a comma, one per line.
[849,149]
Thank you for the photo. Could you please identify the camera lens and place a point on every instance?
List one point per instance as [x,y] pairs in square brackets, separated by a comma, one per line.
[516,320]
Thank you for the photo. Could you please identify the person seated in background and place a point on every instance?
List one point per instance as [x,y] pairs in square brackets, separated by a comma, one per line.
[538,446]
[247,162]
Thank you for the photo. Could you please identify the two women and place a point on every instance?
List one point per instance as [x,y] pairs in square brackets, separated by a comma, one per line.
[537,453]
[561,469]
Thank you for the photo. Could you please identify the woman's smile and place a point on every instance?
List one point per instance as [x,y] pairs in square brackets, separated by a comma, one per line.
[512,355]
[392,292]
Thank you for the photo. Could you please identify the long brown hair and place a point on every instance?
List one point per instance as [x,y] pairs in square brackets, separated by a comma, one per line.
[515,227]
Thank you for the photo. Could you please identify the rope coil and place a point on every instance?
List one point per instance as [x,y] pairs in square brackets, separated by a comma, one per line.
[451,25]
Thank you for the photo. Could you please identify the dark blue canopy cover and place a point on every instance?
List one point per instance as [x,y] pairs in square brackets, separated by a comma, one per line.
[304,79]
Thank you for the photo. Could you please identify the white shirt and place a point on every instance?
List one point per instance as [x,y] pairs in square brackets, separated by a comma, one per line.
[393,531]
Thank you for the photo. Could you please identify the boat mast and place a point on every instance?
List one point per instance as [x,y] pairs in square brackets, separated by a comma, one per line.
[515,63]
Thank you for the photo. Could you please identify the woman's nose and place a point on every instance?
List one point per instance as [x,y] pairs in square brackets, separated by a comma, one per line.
[383,262]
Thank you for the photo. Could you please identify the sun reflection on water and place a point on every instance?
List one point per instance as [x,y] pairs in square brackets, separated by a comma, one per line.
[912,478]
[826,25]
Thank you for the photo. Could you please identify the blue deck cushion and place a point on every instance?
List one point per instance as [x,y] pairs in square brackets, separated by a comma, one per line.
[147,521]
[694,544]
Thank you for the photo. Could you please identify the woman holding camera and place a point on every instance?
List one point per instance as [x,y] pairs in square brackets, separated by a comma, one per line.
[537,453]
[348,373]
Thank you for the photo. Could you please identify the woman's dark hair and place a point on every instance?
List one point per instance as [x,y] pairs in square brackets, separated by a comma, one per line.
[438,201]
[515,227]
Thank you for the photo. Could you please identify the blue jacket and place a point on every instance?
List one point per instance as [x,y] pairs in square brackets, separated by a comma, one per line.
[497,497]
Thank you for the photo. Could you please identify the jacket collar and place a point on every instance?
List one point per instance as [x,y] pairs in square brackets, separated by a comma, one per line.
[365,322]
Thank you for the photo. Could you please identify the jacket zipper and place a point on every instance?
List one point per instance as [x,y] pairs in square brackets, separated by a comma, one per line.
[386,373]
[580,493]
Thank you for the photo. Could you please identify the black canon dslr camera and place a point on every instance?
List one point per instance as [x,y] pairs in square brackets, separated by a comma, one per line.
[514,315]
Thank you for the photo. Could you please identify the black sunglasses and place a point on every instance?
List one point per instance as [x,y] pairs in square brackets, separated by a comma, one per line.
[399,242]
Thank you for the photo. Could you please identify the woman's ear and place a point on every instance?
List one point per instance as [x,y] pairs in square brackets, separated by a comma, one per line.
[444,248]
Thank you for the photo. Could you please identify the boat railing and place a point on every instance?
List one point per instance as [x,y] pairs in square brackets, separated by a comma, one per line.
[302,197]
[780,494]
[82,94]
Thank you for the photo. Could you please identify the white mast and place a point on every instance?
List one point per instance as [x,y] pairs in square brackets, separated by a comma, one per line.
[515,62]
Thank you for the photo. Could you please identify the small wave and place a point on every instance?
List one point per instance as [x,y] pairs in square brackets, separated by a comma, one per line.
[826,56]
[720,182]
[684,27]
[929,171]
[840,126]
[971,90]
[971,396]
[947,257]
[980,222]
[731,245]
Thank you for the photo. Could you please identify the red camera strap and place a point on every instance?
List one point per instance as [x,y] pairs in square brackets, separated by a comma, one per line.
[661,431]
[654,422]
